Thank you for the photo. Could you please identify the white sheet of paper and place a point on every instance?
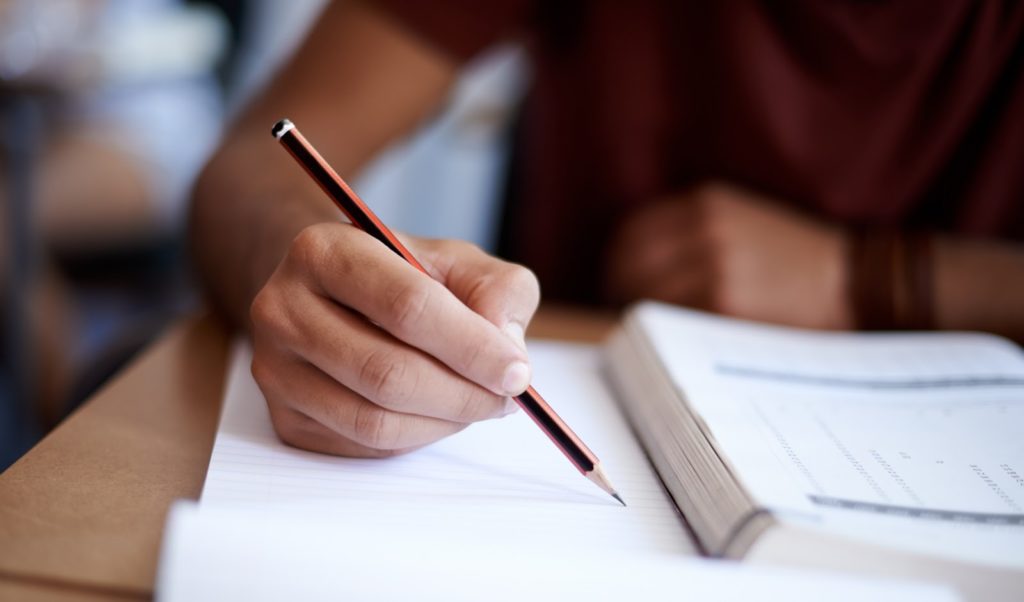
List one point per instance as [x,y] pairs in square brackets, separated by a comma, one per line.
[501,479]
[909,440]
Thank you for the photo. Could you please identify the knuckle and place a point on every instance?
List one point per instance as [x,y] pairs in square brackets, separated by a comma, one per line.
[287,426]
[272,318]
[509,286]
[262,371]
[479,288]
[525,283]
[521,278]
[264,310]
[312,244]
[386,378]
[289,433]
[408,306]
[372,428]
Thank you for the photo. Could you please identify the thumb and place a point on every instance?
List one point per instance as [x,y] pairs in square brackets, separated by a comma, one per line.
[504,293]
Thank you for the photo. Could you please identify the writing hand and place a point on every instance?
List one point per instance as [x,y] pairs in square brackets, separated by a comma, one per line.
[360,354]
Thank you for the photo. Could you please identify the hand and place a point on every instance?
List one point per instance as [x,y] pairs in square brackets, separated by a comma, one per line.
[360,354]
[727,250]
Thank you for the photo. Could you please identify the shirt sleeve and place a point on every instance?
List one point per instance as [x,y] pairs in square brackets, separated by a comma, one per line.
[461,28]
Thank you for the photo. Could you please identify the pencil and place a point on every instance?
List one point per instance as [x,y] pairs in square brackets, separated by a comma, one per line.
[362,217]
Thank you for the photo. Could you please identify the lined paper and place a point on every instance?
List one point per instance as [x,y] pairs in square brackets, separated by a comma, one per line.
[497,479]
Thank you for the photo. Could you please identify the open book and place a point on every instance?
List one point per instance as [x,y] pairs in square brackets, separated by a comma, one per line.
[886,453]
[716,433]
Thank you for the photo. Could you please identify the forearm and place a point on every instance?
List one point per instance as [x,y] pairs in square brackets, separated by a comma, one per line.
[357,83]
[243,219]
[979,285]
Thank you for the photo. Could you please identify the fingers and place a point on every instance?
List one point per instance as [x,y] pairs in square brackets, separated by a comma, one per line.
[361,273]
[376,366]
[350,416]
[504,293]
[337,419]
[301,431]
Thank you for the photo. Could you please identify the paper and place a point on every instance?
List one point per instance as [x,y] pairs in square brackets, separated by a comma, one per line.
[500,479]
[494,512]
[229,553]
[915,441]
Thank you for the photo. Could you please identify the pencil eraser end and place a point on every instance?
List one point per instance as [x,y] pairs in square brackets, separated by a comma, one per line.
[281,128]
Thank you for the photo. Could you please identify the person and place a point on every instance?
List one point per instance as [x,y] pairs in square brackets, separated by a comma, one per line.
[828,165]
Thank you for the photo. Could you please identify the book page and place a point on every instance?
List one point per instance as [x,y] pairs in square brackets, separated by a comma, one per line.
[499,479]
[911,440]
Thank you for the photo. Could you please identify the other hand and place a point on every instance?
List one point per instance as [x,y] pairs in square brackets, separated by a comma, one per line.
[725,249]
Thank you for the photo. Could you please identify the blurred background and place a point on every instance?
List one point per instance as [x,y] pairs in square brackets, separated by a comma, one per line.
[109,109]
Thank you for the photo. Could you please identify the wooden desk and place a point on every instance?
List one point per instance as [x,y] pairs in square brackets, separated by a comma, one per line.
[81,515]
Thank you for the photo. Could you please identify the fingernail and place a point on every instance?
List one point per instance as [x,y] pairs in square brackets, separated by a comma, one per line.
[517,378]
[515,331]
[511,407]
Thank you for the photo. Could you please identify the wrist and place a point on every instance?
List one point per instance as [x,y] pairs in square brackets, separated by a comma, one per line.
[286,214]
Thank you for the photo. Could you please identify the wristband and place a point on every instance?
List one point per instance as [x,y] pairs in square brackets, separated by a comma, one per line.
[890,280]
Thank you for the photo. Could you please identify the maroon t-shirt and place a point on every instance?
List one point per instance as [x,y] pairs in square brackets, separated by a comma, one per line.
[904,114]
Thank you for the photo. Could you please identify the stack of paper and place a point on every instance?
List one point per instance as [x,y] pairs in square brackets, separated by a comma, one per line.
[494,512]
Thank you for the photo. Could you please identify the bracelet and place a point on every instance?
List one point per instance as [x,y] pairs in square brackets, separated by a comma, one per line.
[870,280]
[890,280]
[920,283]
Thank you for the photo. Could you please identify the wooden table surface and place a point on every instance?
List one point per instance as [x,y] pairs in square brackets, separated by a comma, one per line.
[81,514]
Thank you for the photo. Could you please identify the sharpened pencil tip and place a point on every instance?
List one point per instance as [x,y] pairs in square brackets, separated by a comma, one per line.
[598,477]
